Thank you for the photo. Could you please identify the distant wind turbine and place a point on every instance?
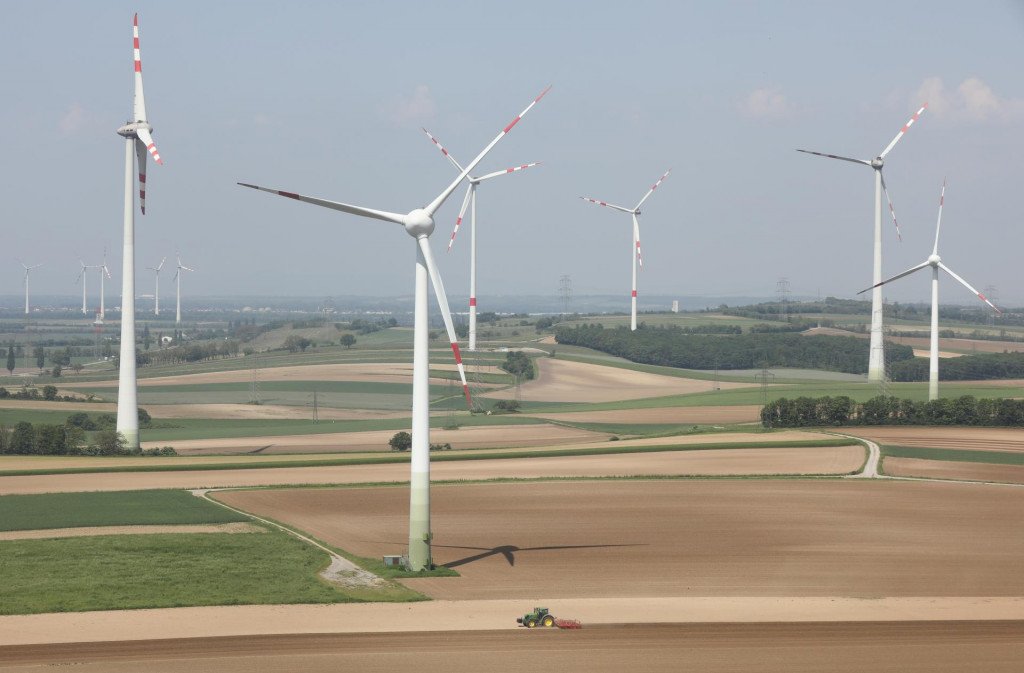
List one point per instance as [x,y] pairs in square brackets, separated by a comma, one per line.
[156,293]
[83,276]
[635,212]
[935,262]
[419,223]
[471,198]
[103,270]
[177,277]
[876,361]
[28,269]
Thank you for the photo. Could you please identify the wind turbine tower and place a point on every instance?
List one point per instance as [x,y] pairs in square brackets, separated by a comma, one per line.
[419,224]
[83,276]
[28,269]
[876,363]
[156,293]
[177,277]
[103,270]
[138,142]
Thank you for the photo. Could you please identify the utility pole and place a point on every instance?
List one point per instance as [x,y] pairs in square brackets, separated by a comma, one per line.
[565,288]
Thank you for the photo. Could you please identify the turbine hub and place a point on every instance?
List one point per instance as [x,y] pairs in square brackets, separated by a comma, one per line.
[934,260]
[419,223]
[877,162]
[130,130]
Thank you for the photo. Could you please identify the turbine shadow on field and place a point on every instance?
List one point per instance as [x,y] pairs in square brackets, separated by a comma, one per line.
[508,551]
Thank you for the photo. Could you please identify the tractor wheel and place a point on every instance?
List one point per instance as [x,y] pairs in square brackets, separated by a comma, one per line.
[549,620]
[530,623]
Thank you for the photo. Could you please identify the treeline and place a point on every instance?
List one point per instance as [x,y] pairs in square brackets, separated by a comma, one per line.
[672,347]
[883,410]
[963,368]
[41,439]
[193,352]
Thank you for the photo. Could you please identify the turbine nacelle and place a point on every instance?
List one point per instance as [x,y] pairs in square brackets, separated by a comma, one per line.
[934,259]
[877,163]
[131,129]
[418,223]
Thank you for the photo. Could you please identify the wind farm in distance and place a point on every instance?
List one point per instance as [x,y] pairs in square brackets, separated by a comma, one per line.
[725,457]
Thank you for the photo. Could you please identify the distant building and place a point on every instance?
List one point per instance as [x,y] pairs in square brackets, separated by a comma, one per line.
[675,306]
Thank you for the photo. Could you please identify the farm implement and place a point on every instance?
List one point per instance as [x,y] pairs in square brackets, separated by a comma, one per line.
[541,617]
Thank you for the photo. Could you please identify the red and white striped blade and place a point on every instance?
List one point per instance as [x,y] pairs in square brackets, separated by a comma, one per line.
[140,99]
[836,156]
[968,286]
[660,180]
[892,211]
[446,314]
[607,205]
[140,155]
[506,171]
[636,239]
[899,275]
[147,140]
[462,213]
[443,150]
[443,196]
[902,131]
[397,218]
[938,224]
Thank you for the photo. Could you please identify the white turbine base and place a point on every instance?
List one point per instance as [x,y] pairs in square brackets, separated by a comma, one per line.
[127,390]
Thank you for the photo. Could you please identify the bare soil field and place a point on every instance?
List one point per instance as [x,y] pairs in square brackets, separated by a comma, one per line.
[971,345]
[683,538]
[565,381]
[230,528]
[802,460]
[926,352]
[746,413]
[932,647]
[978,439]
[951,469]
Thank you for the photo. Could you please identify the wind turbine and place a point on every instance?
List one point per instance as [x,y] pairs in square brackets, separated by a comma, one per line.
[471,198]
[82,276]
[419,223]
[876,362]
[635,212]
[156,293]
[27,270]
[177,277]
[935,262]
[103,270]
[138,141]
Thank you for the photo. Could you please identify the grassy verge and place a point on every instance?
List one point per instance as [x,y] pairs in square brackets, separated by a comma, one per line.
[120,572]
[958,455]
[119,508]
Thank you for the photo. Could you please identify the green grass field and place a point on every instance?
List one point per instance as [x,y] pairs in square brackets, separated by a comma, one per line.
[119,508]
[958,455]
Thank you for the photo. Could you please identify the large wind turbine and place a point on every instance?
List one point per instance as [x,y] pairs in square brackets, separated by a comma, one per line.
[471,198]
[83,276]
[177,277]
[138,141]
[876,362]
[27,270]
[156,293]
[635,212]
[103,270]
[419,223]
[935,262]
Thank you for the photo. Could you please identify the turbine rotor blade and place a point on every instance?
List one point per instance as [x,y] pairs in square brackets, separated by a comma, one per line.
[892,211]
[607,205]
[968,286]
[436,203]
[636,239]
[442,300]
[462,213]
[938,224]
[836,156]
[161,265]
[506,171]
[443,150]
[146,139]
[902,131]
[140,99]
[344,207]
[652,189]
[140,155]
[899,275]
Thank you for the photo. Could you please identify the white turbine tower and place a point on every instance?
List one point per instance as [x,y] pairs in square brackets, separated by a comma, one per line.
[419,223]
[103,270]
[156,293]
[138,142]
[177,277]
[83,276]
[635,248]
[28,269]
[935,262]
[471,198]
[876,362]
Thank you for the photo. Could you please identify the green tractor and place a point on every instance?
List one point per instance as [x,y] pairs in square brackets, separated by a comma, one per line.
[538,616]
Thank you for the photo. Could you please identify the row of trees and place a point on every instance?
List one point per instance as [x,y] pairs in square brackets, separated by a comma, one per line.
[886,410]
[964,368]
[672,347]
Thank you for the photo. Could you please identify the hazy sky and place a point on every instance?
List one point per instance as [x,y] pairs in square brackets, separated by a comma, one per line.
[327,99]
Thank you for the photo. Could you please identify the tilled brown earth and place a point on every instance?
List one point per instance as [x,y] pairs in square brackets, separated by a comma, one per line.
[932,647]
[977,439]
[683,538]
[952,469]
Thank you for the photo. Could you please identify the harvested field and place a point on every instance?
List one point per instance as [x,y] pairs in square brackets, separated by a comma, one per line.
[926,352]
[684,538]
[803,460]
[229,528]
[88,407]
[965,438]
[566,381]
[746,413]
[951,469]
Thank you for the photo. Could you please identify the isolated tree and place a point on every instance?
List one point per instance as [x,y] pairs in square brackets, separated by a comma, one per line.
[110,442]
[146,339]
[50,392]
[347,340]
[10,358]
[402,441]
[40,354]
